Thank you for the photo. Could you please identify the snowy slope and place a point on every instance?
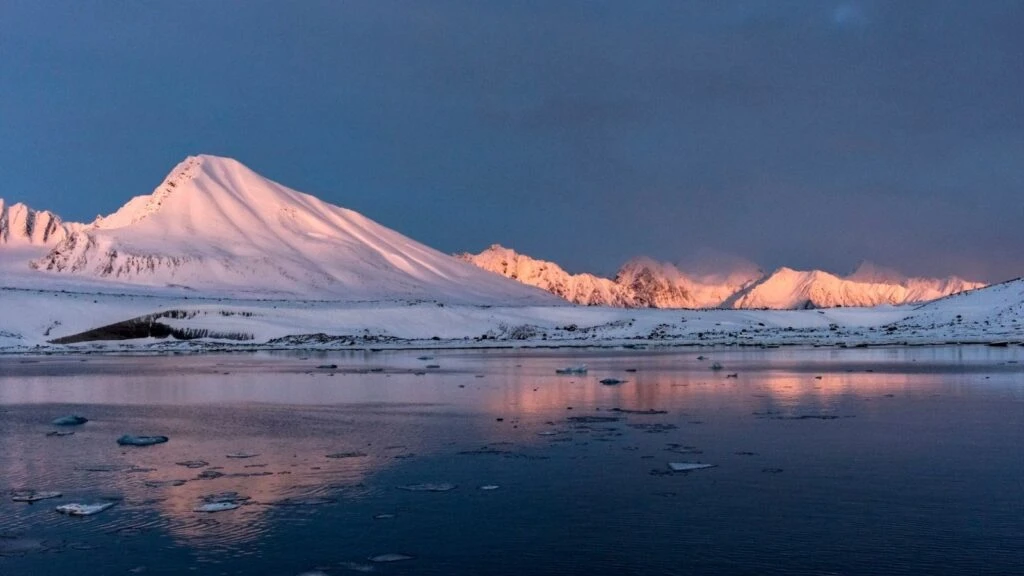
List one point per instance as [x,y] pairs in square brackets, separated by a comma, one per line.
[585,289]
[990,315]
[645,283]
[917,289]
[788,289]
[996,310]
[216,226]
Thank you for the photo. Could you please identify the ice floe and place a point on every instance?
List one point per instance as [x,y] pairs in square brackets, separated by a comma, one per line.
[77,509]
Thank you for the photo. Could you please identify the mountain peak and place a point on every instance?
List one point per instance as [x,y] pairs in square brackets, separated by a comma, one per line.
[140,207]
[22,225]
[213,223]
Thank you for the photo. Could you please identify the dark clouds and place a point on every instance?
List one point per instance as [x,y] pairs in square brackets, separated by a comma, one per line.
[810,134]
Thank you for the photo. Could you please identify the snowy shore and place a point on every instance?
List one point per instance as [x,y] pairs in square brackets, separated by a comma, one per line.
[35,321]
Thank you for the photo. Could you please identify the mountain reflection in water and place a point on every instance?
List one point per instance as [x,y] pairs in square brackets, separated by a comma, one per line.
[850,461]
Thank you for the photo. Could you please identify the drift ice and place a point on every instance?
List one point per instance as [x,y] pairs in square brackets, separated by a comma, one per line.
[130,440]
[77,509]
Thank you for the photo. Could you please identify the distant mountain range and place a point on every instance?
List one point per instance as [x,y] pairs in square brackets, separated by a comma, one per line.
[215,227]
[644,283]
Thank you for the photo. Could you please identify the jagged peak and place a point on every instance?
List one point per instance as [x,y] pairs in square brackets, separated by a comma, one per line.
[20,223]
[139,207]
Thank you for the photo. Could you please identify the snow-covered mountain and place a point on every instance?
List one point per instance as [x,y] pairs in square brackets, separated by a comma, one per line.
[787,289]
[643,282]
[215,225]
[22,226]
[661,285]
[584,289]
[640,283]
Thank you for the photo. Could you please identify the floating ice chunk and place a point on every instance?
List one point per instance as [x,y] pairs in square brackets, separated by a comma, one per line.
[224,497]
[612,381]
[193,463]
[688,466]
[72,420]
[242,455]
[130,440]
[77,509]
[338,455]
[577,369]
[389,558]
[383,516]
[716,366]
[592,419]
[57,433]
[216,507]
[490,487]
[327,366]
[429,487]
[33,496]
[424,357]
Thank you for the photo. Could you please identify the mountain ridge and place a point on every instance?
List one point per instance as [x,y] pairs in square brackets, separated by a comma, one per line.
[213,224]
[217,226]
[645,283]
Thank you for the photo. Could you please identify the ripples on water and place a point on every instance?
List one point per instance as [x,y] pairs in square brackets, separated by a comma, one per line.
[897,461]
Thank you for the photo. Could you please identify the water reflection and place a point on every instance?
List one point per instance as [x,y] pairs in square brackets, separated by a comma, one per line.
[892,410]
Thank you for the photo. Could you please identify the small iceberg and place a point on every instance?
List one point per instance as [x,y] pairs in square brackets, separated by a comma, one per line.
[216,507]
[429,487]
[77,509]
[612,381]
[60,433]
[389,558]
[193,464]
[490,487]
[688,466]
[31,496]
[577,369]
[340,455]
[716,366]
[72,420]
[130,440]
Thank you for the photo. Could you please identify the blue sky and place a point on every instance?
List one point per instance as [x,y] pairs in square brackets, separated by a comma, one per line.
[800,133]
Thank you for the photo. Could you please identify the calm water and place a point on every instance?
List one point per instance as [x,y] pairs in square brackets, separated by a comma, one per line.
[877,461]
